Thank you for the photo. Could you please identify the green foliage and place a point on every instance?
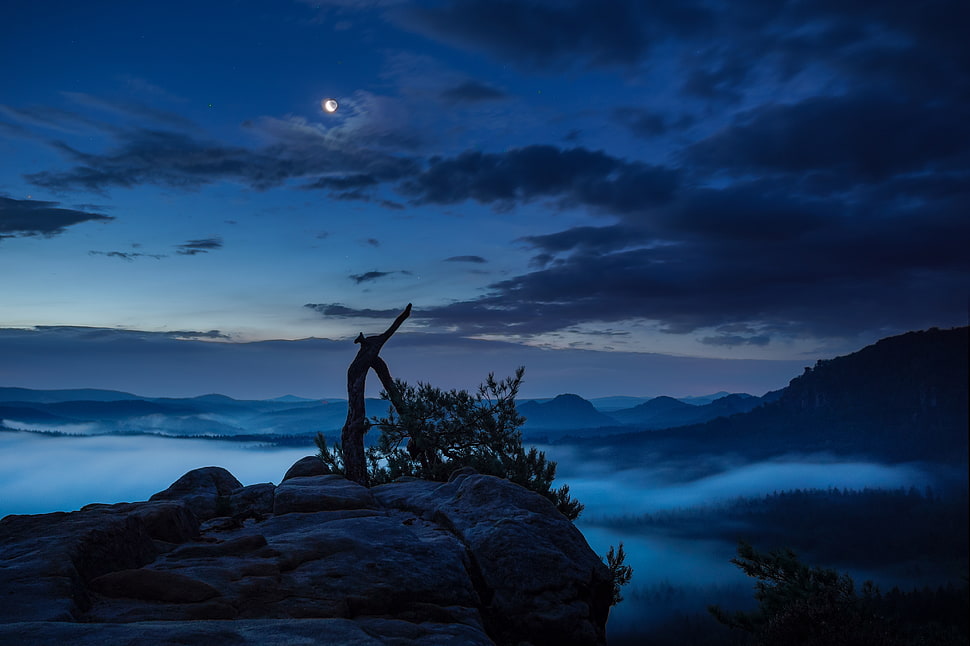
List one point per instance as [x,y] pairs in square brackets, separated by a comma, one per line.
[429,433]
[619,572]
[782,580]
[333,456]
[812,606]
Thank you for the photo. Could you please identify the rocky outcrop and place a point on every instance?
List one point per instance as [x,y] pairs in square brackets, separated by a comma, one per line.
[315,560]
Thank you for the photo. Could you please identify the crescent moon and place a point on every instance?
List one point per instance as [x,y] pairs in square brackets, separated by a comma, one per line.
[329,105]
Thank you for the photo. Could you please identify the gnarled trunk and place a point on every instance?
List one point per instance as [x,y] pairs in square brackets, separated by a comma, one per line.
[352,435]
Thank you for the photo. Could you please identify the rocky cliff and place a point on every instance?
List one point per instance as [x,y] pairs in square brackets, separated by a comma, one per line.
[315,560]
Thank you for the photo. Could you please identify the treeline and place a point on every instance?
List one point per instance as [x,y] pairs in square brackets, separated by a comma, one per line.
[868,527]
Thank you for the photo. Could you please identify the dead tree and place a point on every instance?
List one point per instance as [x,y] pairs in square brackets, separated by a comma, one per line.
[352,435]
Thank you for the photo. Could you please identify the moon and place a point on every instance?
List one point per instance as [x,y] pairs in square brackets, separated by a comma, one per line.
[329,105]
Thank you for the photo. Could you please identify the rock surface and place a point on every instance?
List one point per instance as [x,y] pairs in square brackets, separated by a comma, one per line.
[315,560]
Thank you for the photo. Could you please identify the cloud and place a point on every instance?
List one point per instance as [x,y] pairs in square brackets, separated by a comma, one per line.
[720,52]
[372,275]
[543,35]
[648,124]
[293,149]
[472,92]
[474,259]
[20,218]
[576,176]
[841,136]
[588,239]
[126,255]
[193,247]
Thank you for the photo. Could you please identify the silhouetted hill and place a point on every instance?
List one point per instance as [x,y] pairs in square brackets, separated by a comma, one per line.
[902,398]
[563,412]
[667,412]
[656,413]
[291,399]
[732,405]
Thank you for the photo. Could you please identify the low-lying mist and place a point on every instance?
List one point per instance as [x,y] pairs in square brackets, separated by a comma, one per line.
[40,474]
[663,484]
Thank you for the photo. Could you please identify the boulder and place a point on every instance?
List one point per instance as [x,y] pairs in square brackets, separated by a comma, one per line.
[316,560]
[540,581]
[311,465]
[206,491]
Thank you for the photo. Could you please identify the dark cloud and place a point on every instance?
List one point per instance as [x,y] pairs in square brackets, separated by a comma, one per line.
[685,289]
[296,151]
[474,259]
[588,239]
[575,176]
[543,34]
[643,123]
[720,51]
[858,138]
[373,242]
[369,276]
[126,255]
[194,247]
[20,218]
[472,92]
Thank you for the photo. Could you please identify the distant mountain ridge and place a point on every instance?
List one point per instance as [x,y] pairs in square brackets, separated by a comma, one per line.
[112,411]
[572,412]
[902,398]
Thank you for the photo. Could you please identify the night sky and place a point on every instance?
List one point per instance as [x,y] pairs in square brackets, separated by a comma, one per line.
[601,181]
